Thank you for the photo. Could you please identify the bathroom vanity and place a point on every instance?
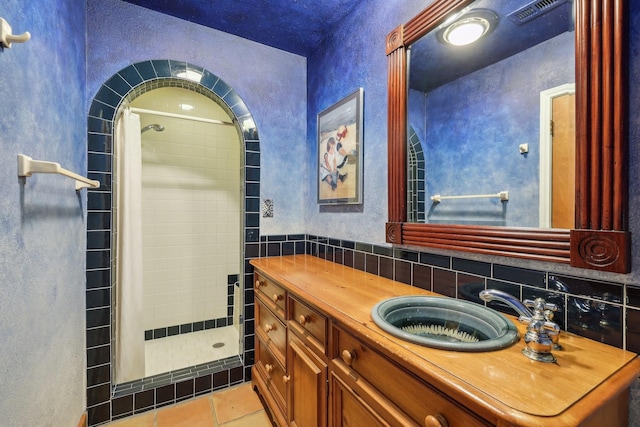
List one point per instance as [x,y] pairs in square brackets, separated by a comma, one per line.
[321,360]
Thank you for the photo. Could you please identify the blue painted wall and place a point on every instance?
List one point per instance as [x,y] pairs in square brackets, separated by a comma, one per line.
[271,82]
[474,127]
[42,218]
[355,57]
[43,113]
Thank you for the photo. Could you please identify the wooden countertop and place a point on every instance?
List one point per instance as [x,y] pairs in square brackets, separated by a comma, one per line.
[503,384]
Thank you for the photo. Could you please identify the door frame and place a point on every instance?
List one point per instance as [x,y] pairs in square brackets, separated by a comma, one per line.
[546,140]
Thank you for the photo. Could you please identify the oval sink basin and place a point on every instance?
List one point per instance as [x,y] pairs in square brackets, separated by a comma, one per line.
[445,323]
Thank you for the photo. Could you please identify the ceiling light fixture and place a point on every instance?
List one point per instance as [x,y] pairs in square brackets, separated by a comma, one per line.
[469,28]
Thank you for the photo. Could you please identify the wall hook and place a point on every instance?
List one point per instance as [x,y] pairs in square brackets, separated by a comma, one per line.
[6,37]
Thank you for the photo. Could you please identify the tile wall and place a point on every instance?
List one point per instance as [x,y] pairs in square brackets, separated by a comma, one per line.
[603,311]
[191,210]
[150,393]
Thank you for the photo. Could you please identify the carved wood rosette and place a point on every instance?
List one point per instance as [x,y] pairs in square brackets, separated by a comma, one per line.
[601,250]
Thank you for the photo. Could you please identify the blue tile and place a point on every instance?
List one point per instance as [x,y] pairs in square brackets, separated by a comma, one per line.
[221,88]
[99,126]
[239,109]
[101,111]
[252,174]
[98,259]
[98,162]
[519,275]
[99,143]
[131,76]
[162,68]
[208,79]
[98,317]
[118,85]
[108,96]
[469,266]
[177,69]
[146,71]
[232,99]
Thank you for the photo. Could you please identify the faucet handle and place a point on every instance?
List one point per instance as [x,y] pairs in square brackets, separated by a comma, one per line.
[540,304]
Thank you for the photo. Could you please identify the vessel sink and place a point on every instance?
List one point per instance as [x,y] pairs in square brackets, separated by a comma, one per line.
[445,323]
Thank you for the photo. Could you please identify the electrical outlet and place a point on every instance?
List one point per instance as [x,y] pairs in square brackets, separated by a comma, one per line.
[267,208]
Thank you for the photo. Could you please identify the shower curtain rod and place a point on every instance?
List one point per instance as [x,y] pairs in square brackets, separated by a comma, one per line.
[180,116]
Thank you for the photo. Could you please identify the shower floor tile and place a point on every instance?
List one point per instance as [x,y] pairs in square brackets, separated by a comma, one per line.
[181,351]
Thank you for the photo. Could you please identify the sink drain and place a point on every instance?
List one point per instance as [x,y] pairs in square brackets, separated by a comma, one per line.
[218,345]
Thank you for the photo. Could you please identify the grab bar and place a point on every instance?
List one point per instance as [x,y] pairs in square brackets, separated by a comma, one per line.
[27,166]
[503,195]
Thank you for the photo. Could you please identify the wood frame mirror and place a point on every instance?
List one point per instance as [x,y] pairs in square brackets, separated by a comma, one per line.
[600,239]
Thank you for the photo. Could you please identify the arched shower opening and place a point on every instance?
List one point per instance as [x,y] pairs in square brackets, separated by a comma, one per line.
[116,93]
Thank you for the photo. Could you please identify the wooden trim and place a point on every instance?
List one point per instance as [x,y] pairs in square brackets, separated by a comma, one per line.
[601,250]
[397,144]
[83,420]
[601,150]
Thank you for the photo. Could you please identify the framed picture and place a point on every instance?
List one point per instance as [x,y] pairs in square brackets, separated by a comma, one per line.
[340,151]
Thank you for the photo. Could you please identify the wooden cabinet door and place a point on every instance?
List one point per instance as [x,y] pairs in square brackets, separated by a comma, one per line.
[354,402]
[307,386]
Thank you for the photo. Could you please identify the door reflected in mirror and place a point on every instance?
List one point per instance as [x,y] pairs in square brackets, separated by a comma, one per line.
[495,116]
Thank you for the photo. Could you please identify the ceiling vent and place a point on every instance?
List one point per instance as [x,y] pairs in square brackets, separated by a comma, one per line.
[534,10]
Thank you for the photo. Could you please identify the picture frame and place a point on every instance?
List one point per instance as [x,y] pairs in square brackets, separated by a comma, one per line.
[340,151]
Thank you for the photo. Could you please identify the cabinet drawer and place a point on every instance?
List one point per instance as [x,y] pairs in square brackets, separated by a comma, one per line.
[271,331]
[414,397]
[272,372]
[273,295]
[309,324]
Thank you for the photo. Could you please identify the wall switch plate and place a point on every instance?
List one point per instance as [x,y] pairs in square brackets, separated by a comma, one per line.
[267,208]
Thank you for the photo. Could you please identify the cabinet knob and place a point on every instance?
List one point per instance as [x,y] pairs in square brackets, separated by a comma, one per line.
[269,368]
[304,319]
[286,378]
[258,284]
[268,328]
[348,356]
[435,421]
[276,297]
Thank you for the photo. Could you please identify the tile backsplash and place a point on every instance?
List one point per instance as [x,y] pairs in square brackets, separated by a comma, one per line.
[603,311]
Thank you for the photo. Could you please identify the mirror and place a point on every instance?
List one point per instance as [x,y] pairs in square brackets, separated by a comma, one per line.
[493,126]
[599,238]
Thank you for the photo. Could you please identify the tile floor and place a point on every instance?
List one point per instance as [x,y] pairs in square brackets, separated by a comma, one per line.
[234,407]
[180,351]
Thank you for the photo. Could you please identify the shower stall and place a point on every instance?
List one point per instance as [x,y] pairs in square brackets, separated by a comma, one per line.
[191,228]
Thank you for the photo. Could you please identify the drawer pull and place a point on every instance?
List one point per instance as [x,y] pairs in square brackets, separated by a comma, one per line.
[276,297]
[286,378]
[268,328]
[348,356]
[435,421]
[304,319]
[258,284]
[269,368]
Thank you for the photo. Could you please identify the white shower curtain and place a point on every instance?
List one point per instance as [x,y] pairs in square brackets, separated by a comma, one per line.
[129,288]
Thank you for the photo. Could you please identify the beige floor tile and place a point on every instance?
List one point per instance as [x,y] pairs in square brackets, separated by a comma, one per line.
[257,419]
[235,403]
[193,413]
[145,419]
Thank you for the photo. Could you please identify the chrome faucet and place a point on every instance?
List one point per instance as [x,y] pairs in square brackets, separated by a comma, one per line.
[542,334]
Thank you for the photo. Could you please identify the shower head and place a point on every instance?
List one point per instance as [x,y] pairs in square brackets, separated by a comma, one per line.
[155,126]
